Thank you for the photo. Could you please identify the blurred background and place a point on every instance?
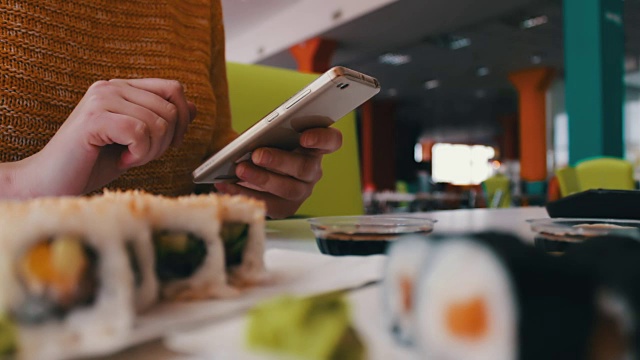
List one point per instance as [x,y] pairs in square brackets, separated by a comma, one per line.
[473,91]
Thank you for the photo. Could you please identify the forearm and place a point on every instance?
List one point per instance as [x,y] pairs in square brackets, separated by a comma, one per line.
[46,173]
[13,182]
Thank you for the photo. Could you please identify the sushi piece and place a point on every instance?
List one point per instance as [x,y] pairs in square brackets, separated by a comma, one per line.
[189,253]
[243,236]
[65,280]
[131,216]
[489,296]
[406,256]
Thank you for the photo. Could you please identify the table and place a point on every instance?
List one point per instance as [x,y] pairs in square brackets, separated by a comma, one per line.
[294,234]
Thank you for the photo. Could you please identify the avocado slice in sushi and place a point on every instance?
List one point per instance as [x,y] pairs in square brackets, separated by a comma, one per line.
[234,236]
[178,254]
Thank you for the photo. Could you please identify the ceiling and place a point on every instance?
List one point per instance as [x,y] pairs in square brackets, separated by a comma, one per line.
[464,101]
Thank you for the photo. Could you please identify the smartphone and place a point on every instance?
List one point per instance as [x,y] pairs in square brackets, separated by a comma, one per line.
[320,104]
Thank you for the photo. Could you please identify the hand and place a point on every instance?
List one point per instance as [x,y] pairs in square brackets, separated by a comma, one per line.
[284,179]
[118,124]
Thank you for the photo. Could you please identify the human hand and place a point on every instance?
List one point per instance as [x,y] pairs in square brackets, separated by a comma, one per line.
[117,125]
[284,179]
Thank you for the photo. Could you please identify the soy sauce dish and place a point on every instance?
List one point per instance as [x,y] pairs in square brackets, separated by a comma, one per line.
[366,234]
[556,235]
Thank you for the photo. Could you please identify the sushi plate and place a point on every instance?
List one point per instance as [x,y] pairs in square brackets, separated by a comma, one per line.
[292,272]
[225,340]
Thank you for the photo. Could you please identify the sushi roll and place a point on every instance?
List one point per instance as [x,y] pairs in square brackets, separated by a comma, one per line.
[199,247]
[65,279]
[489,296]
[75,272]
[406,256]
[243,236]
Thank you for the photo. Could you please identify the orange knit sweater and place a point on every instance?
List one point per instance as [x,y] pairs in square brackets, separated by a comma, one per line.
[51,51]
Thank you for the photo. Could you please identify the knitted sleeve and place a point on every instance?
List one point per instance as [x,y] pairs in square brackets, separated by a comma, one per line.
[51,51]
[223,132]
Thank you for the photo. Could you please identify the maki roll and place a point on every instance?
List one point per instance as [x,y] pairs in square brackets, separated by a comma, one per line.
[130,208]
[243,237]
[406,256]
[489,296]
[189,253]
[65,279]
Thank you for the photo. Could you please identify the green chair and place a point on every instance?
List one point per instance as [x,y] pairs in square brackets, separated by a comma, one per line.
[497,189]
[255,90]
[568,181]
[605,173]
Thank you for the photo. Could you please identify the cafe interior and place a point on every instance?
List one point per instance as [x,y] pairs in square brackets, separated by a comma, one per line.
[496,103]
[484,203]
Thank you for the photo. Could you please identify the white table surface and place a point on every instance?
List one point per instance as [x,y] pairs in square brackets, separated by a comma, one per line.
[294,234]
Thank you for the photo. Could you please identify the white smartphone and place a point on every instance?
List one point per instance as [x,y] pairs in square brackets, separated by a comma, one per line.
[320,104]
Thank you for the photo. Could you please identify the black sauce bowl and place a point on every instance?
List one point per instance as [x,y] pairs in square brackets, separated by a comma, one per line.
[365,234]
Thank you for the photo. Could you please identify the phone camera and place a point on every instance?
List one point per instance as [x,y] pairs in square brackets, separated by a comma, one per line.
[343,86]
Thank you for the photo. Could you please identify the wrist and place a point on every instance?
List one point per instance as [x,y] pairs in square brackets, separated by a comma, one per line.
[14,182]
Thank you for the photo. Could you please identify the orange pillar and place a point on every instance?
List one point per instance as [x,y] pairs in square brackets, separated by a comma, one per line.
[532,86]
[314,55]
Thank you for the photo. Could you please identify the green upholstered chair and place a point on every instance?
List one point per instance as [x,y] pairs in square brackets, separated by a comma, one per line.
[255,90]
[605,173]
[497,189]
[568,181]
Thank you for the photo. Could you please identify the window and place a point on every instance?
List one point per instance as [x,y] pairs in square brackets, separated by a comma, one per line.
[461,164]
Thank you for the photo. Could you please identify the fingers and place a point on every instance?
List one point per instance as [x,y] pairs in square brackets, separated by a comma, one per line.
[173,92]
[160,128]
[284,179]
[159,106]
[279,184]
[322,140]
[124,130]
[302,166]
[277,208]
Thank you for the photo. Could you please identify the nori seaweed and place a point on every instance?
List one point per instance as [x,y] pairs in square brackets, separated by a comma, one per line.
[554,299]
[614,262]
